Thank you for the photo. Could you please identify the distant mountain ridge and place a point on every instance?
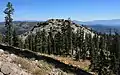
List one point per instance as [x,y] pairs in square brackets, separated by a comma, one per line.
[102,25]
[100,22]
[21,26]
[97,25]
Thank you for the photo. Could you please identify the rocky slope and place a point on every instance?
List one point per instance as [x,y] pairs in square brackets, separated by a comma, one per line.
[11,64]
[7,65]
[56,25]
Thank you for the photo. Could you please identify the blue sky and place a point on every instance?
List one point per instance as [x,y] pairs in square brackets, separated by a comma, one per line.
[82,10]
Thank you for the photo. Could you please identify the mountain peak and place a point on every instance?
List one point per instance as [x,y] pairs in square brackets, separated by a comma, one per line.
[57,26]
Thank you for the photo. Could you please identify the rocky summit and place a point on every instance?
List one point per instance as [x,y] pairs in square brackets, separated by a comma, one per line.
[56,25]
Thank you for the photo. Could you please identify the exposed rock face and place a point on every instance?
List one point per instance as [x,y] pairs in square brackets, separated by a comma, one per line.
[1,73]
[56,25]
[8,67]
[11,64]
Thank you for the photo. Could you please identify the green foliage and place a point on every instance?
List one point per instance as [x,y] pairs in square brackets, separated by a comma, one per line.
[86,69]
[1,38]
[15,39]
[8,23]
[103,50]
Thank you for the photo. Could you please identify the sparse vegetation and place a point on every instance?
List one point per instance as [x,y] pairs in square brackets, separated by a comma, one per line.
[35,67]
[63,38]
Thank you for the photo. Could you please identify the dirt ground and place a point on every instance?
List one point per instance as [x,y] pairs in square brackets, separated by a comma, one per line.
[67,60]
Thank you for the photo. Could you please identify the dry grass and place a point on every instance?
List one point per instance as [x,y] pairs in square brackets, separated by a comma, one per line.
[67,60]
[80,64]
[38,71]
[43,68]
[24,63]
[33,67]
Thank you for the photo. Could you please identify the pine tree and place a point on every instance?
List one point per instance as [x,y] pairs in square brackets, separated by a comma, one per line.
[79,40]
[15,39]
[32,42]
[29,42]
[81,45]
[88,45]
[64,40]
[58,43]
[76,41]
[94,53]
[69,38]
[44,41]
[101,56]
[8,22]
[1,38]
[39,41]
[117,53]
[49,43]
[36,41]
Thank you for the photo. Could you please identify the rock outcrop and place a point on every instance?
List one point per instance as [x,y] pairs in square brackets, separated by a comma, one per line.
[7,65]
[11,64]
[56,25]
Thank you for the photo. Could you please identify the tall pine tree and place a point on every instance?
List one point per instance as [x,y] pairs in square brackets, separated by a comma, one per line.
[8,22]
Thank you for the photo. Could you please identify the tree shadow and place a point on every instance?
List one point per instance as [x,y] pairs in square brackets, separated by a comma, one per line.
[30,54]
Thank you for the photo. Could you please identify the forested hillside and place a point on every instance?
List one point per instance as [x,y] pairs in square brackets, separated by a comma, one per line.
[21,26]
[65,38]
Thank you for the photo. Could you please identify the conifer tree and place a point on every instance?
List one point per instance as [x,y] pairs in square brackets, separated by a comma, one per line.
[81,45]
[33,42]
[1,38]
[94,53]
[76,42]
[44,41]
[69,37]
[58,43]
[117,53]
[8,22]
[15,38]
[36,41]
[64,40]
[49,43]
[29,42]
